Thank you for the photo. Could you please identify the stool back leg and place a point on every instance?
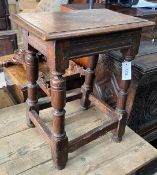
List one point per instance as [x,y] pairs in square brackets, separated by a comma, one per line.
[32,77]
[87,87]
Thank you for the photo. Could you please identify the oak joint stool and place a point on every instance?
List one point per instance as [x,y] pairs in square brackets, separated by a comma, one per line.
[65,36]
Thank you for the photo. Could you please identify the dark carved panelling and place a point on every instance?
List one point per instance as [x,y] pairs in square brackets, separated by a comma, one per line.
[4,16]
[144,114]
[8,42]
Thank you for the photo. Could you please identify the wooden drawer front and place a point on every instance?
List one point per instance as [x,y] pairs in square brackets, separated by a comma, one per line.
[7,45]
[3,24]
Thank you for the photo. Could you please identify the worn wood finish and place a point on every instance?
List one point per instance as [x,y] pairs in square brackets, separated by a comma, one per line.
[7,98]
[73,96]
[92,135]
[34,116]
[23,151]
[62,42]
[108,110]
[112,22]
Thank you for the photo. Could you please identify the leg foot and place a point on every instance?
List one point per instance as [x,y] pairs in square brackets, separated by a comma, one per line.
[116,139]
[85,103]
[29,123]
[119,132]
[60,152]
[28,120]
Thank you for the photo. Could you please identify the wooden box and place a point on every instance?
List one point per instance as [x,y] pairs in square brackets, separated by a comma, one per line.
[8,42]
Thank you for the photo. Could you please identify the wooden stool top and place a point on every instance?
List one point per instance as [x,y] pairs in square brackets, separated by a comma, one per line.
[58,25]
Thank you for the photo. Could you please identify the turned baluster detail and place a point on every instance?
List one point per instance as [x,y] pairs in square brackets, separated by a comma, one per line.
[58,99]
[87,87]
[57,65]
[32,77]
[58,102]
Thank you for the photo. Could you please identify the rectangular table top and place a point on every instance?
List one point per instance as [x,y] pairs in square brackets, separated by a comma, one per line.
[58,25]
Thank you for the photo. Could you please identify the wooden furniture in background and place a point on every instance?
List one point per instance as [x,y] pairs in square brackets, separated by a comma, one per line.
[7,98]
[15,75]
[77,34]
[8,42]
[4,15]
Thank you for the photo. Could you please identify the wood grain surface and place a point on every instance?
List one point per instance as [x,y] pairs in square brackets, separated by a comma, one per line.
[7,100]
[24,151]
[47,25]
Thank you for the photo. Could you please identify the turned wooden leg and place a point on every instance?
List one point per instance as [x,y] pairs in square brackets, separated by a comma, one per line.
[87,87]
[32,77]
[58,99]
[121,100]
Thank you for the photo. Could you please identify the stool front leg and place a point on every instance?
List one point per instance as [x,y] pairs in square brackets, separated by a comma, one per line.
[58,99]
[122,99]
[87,87]
[32,77]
